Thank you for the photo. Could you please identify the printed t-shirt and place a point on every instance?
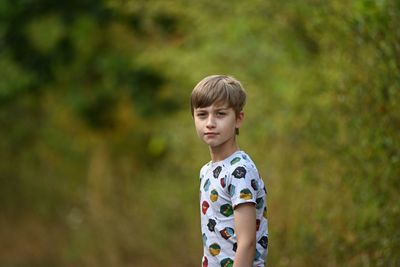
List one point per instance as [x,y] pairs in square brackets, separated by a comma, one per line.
[224,185]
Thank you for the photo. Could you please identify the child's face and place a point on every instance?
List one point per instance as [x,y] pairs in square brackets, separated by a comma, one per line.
[216,124]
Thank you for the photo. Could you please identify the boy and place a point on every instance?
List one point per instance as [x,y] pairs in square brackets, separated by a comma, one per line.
[232,194]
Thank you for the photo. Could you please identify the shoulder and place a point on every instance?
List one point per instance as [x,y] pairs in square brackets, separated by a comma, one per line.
[241,164]
[205,167]
[240,167]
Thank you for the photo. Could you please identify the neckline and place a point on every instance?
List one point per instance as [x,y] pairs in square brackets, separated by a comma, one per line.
[216,163]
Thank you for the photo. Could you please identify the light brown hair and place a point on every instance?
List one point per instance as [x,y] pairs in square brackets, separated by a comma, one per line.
[218,89]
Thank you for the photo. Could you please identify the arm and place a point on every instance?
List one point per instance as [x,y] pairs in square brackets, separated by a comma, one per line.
[245,229]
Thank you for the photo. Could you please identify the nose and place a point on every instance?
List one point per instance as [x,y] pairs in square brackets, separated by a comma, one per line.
[210,122]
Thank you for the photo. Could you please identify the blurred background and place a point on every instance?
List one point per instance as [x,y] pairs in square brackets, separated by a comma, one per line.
[99,159]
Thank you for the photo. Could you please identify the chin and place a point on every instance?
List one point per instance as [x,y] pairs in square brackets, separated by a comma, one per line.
[212,143]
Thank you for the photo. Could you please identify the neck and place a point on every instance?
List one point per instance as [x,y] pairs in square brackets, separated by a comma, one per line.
[222,152]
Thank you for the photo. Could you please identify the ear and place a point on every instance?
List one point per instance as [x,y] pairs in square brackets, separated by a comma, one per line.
[239,119]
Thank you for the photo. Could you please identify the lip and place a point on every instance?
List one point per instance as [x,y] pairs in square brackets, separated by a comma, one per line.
[210,134]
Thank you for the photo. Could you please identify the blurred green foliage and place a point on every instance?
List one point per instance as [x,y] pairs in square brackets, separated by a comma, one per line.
[99,159]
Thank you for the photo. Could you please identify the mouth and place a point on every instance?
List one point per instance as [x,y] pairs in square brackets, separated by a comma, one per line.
[210,134]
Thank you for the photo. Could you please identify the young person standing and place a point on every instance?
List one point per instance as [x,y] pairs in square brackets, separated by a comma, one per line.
[234,224]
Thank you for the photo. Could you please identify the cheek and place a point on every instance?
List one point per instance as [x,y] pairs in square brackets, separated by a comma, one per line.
[197,125]
[229,126]
[234,122]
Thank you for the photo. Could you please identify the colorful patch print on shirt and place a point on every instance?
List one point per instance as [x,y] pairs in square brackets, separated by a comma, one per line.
[235,160]
[207,185]
[246,194]
[205,261]
[227,262]
[214,249]
[263,241]
[214,195]
[226,210]
[239,172]
[231,190]
[234,247]
[204,239]
[227,232]
[211,225]
[258,222]
[217,171]
[204,206]
[223,182]
[254,184]
[257,256]
[259,203]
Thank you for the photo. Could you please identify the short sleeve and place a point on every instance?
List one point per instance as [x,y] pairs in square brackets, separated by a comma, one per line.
[243,185]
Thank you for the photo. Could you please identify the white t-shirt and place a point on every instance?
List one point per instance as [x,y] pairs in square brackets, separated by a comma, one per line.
[224,185]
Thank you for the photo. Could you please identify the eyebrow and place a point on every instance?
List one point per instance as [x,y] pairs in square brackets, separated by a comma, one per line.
[216,109]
